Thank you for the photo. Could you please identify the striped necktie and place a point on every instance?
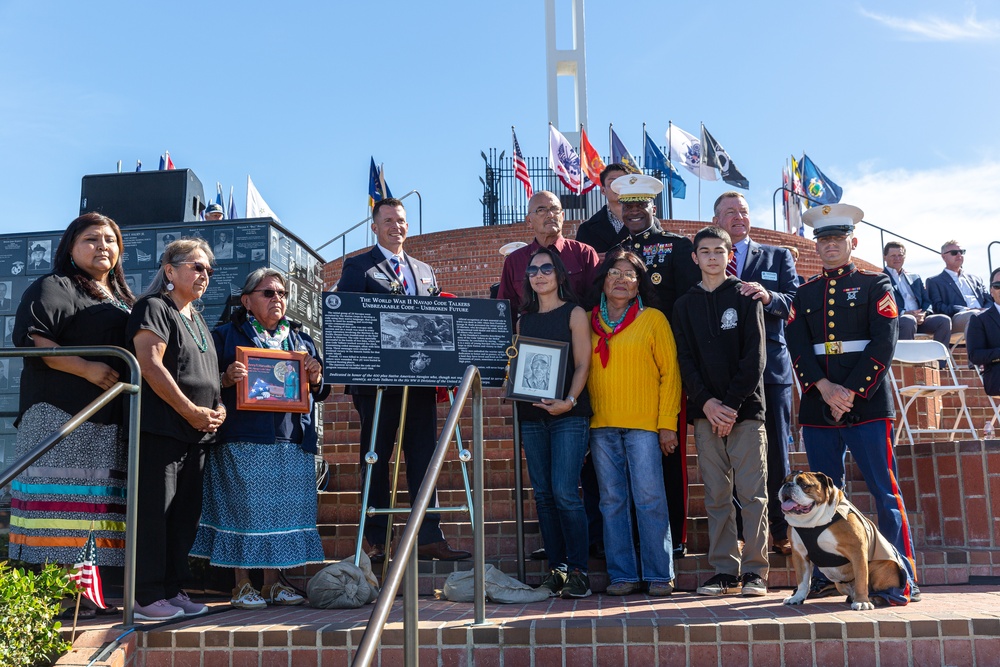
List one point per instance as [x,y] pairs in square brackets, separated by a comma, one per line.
[731,267]
[399,274]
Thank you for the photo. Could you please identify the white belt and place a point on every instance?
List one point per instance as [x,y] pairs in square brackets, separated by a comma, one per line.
[841,347]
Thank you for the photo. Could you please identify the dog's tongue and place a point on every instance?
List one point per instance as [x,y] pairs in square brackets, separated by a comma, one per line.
[788,505]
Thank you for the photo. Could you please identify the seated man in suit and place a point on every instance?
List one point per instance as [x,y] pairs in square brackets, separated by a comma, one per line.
[982,339]
[386,269]
[605,229]
[916,314]
[954,292]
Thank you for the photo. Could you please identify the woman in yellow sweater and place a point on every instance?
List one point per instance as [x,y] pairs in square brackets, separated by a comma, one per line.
[635,390]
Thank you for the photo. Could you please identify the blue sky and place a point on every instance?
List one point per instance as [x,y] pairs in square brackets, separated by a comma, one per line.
[893,100]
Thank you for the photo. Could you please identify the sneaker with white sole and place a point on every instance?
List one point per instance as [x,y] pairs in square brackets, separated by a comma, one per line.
[720,584]
[753,586]
[161,610]
[281,595]
[245,596]
[189,606]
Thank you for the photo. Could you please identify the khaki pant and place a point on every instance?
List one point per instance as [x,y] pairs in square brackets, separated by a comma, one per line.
[739,460]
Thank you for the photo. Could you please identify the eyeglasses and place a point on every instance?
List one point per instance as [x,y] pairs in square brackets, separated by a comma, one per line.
[628,276]
[533,270]
[271,293]
[953,252]
[995,285]
[198,267]
[545,210]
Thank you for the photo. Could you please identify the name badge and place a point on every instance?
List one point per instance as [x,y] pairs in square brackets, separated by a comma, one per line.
[768,275]
[381,276]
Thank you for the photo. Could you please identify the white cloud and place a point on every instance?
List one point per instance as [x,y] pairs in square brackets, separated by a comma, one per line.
[929,207]
[939,29]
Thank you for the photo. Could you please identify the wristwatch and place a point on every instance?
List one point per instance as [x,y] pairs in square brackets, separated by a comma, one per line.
[572,399]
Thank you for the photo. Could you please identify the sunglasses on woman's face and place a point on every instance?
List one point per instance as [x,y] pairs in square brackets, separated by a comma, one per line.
[995,285]
[199,268]
[546,269]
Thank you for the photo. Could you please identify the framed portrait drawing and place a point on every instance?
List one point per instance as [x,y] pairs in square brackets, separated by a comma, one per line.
[275,382]
[537,369]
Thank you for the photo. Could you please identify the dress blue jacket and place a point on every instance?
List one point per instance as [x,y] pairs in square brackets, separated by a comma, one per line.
[264,427]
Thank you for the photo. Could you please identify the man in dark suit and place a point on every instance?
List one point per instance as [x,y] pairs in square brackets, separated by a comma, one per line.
[605,229]
[954,292]
[37,261]
[916,314]
[4,297]
[386,269]
[768,275]
[982,340]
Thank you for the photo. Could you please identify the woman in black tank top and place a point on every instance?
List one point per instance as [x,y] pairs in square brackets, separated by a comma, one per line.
[554,432]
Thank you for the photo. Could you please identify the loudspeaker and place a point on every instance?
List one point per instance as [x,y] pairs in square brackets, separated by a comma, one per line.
[144,197]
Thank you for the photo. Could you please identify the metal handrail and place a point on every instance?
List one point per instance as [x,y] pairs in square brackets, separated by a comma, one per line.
[133,389]
[343,235]
[406,552]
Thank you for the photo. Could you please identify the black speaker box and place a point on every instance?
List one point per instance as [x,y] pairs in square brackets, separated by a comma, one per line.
[144,197]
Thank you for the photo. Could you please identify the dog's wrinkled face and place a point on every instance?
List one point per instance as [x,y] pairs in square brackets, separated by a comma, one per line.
[802,492]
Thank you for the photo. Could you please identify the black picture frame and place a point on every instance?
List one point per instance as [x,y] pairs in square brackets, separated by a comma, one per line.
[537,369]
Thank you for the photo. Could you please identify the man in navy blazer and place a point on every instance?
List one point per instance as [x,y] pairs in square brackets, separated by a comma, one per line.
[768,275]
[916,313]
[386,269]
[954,292]
[982,339]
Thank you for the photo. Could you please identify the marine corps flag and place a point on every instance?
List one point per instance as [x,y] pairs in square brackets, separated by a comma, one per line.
[591,161]
[716,156]
[565,162]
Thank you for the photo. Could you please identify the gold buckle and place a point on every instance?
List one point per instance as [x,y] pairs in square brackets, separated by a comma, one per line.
[834,347]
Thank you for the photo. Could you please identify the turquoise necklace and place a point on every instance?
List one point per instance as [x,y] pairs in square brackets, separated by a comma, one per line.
[112,299]
[203,345]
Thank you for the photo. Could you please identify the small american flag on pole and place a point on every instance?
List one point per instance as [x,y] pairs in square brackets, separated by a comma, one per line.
[521,167]
[86,575]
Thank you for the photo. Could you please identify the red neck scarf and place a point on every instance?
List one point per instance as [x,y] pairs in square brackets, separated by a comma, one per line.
[602,348]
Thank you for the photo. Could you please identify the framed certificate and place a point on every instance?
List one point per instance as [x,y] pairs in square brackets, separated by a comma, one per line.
[275,382]
[537,369]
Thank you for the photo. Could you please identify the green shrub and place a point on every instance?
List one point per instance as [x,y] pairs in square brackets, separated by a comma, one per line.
[28,604]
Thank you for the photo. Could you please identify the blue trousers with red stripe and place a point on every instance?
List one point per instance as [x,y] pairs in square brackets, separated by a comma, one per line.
[871,445]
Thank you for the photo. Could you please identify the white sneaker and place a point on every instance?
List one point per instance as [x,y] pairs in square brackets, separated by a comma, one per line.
[190,607]
[161,610]
[279,594]
[245,596]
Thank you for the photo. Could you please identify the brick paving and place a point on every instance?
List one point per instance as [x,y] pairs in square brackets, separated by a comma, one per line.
[954,625]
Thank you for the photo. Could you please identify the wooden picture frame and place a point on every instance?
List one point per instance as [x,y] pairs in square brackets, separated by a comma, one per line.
[264,388]
[537,369]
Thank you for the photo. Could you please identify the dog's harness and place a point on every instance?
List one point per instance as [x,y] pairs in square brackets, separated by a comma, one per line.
[818,556]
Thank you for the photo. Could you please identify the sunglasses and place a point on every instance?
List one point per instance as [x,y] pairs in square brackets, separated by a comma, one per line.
[995,285]
[954,252]
[198,267]
[546,269]
[629,276]
[271,293]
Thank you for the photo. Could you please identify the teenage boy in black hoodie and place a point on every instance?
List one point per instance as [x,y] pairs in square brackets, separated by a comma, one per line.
[720,348]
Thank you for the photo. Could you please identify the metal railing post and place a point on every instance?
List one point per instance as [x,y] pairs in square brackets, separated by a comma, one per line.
[405,551]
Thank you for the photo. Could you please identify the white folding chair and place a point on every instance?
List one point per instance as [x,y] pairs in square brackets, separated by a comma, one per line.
[922,353]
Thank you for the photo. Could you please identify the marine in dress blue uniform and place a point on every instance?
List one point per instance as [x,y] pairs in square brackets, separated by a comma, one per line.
[841,334]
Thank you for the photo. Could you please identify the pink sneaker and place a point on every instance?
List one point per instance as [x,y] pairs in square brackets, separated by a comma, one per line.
[161,610]
[189,607]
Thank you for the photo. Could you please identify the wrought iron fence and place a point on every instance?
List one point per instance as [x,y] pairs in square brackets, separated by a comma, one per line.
[504,201]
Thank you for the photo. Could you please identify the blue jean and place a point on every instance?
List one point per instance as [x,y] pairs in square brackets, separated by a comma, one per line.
[630,469]
[555,449]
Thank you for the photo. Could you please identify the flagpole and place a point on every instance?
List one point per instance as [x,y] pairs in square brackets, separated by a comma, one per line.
[611,144]
[579,187]
[670,162]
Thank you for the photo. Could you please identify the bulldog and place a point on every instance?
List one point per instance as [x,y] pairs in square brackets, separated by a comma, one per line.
[828,531]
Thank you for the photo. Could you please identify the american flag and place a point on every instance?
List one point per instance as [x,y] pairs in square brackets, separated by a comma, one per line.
[87,576]
[521,167]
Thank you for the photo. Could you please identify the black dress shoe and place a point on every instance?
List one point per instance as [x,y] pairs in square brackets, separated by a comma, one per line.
[680,551]
[441,551]
[376,553]
[538,554]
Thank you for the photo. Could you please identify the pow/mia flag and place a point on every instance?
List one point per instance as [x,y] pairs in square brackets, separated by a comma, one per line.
[716,156]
